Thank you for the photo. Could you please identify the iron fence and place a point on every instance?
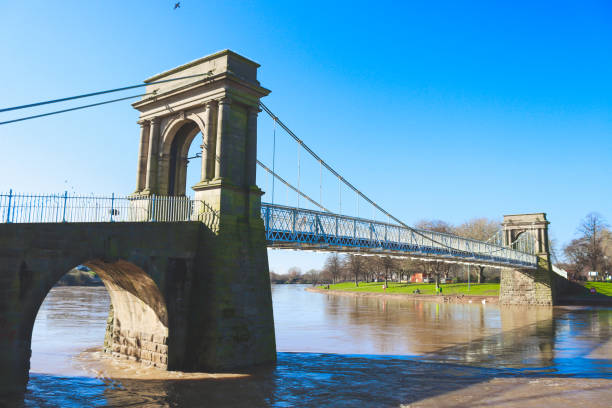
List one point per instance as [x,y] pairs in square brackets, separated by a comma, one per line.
[37,208]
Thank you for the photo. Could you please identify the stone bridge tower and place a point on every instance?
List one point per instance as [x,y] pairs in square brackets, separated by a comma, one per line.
[528,286]
[217,96]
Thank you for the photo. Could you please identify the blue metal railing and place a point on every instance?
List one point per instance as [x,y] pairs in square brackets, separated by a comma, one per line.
[319,230]
[39,208]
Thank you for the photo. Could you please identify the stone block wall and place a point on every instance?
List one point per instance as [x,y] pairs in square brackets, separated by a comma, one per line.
[150,349]
[108,336]
[526,287]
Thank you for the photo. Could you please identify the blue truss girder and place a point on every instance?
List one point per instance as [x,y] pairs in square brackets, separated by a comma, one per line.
[328,231]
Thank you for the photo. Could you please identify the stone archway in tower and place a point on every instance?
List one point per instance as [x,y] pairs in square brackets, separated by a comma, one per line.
[176,142]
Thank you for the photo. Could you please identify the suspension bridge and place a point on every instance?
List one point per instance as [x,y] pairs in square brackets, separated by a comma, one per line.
[188,276]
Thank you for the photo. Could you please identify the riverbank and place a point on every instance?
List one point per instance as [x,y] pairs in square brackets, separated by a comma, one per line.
[76,277]
[450,289]
[457,292]
[458,298]
[525,392]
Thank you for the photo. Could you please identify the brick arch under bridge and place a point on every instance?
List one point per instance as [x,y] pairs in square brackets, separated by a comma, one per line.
[171,307]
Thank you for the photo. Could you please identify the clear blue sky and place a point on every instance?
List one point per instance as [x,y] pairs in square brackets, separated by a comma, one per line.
[434,109]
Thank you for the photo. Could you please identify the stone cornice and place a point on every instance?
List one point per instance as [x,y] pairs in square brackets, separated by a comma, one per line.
[199,61]
[226,100]
[202,83]
[210,103]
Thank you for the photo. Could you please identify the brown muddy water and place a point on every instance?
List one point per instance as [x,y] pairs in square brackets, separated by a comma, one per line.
[343,351]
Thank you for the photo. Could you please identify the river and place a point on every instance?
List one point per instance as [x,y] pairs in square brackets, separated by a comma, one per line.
[343,351]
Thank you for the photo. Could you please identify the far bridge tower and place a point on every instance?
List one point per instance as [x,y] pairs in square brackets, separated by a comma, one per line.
[528,286]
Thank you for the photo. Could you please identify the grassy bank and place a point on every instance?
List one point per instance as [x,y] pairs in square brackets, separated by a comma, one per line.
[603,288]
[478,289]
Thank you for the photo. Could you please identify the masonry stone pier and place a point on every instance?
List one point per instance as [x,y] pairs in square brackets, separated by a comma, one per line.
[528,286]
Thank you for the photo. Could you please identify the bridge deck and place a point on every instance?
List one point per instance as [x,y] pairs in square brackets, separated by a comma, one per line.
[288,227]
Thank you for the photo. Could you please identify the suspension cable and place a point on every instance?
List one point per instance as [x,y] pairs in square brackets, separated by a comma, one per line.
[273,158]
[320,181]
[288,185]
[340,196]
[70,98]
[73,109]
[328,167]
[352,187]
[298,178]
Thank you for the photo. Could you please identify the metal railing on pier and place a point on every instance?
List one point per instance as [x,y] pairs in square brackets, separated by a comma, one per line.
[38,208]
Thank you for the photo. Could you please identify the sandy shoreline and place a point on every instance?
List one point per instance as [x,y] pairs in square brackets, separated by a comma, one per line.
[102,365]
[525,392]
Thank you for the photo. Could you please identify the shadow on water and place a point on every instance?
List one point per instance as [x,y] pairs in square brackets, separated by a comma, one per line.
[299,379]
[558,342]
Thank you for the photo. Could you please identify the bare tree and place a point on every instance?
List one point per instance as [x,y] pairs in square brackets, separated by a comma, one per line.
[435,225]
[593,229]
[293,274]
[333,266]
[388,264]
[480,273]
[589,250]
[313,275]
[481,229]
[369,268]
[354,265]
[436,268]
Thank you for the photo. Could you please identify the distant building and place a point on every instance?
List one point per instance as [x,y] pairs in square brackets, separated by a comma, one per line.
[416,277]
